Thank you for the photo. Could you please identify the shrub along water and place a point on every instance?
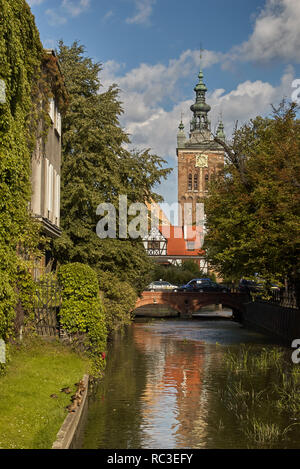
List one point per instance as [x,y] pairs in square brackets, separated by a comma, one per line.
[82,312]
[119,299]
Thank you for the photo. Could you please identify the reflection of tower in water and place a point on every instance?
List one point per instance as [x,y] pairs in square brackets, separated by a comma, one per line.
[174,384]
[184,370]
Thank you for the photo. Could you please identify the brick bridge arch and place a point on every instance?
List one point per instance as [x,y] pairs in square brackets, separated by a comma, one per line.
[188,303]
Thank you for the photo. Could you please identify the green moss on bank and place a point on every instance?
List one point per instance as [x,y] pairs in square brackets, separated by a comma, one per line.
[29,417]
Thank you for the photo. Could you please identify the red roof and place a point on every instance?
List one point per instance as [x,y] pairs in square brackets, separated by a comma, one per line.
[180,240]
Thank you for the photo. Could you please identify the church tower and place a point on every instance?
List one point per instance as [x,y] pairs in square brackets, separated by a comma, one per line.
[199,157]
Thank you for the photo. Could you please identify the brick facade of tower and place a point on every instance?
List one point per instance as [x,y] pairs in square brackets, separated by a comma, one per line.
[196,168]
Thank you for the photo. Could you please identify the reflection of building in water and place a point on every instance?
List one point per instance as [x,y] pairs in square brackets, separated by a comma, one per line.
[184,370]
[155,350]
[174,385]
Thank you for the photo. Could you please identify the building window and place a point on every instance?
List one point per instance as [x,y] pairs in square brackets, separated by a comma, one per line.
[196,182]
[57,197]
[153,245]
[49,186]
[190,245]
[58,122]
[52,110]
[190,182]
[206,181]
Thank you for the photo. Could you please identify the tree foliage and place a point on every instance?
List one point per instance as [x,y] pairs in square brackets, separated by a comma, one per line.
[96,169]
[119,299]
[253,210]
[179,275]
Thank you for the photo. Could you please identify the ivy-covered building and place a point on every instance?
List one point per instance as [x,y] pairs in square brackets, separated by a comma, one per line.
[46,165]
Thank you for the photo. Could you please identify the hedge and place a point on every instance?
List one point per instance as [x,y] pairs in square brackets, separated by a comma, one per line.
[82,310]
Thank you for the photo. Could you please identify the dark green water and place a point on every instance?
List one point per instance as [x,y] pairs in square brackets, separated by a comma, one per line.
[167,386]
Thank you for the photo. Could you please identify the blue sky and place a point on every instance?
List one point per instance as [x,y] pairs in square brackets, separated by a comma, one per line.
[150,48]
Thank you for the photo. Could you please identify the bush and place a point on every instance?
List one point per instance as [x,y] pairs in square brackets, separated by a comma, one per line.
[82,310]
[119,300]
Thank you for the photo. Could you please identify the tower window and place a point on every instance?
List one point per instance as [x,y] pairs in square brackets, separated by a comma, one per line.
[196,182]
[190,182]
[206,181]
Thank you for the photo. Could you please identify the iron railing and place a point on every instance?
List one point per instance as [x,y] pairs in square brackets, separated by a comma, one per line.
[285,297]
[47,302]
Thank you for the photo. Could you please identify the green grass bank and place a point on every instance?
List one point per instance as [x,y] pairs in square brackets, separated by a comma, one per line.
[29,417]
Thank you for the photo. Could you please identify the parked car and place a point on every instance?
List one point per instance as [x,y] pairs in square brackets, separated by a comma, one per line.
[250,286]
[203,285]
[160,285]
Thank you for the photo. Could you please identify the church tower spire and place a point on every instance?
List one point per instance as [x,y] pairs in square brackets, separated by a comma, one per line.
[220,132]
[181,138]
[200,108]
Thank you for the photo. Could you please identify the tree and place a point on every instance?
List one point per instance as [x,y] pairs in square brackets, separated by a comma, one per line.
[97,168]
[181,274]
[253,209]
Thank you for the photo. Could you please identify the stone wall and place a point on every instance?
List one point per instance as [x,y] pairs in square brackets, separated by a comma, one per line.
[70,434]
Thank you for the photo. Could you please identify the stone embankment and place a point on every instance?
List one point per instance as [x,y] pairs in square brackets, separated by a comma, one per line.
[70,431]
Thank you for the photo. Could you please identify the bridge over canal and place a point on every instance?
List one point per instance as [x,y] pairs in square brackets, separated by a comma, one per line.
[186,303]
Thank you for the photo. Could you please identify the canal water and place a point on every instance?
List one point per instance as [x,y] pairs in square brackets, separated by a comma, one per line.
[202,383]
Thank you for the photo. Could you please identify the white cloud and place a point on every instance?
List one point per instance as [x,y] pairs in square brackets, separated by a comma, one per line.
[249,100]
[32,3]
[55,18]
[67,8]
[143,12]
[145,89]
[276,34]
[157,82]
[107,15]
[75,8]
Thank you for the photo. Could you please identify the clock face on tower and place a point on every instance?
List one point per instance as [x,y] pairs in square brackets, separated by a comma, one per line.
[201,160]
